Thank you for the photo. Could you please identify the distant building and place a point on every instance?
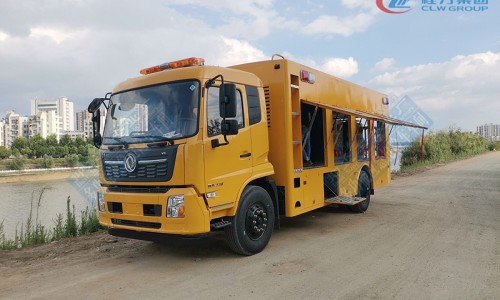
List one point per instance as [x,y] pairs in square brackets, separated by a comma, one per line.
[489,131]
[44,123]
[2,134]
[84,122]
[63,109]
[48,117]
[74,134]
[14,126]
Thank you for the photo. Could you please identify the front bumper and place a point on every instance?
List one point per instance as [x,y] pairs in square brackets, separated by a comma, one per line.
[148,212]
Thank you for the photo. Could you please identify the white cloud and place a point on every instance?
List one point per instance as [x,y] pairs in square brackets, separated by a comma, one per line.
[55,34]
[385,64]
[236,52]
[363,4]
[345,26]
[341,67]
[463,90]
[3,36]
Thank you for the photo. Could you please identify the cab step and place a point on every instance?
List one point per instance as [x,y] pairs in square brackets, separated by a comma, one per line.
[220,224]
[344,200]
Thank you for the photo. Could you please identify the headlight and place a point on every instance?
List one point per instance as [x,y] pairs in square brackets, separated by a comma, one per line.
[175,206]
[100,202]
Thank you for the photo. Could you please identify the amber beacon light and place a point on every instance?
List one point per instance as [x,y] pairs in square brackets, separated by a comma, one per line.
[187,62]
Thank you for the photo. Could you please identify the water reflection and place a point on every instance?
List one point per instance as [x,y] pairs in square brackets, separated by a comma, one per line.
[18,199]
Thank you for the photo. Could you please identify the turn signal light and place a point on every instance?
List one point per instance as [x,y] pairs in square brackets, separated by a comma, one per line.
[188,62]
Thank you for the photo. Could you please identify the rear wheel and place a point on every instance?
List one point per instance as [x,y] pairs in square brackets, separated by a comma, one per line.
[252,226]
[364,184]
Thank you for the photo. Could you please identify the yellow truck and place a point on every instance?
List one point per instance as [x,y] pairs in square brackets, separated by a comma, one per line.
[187,149]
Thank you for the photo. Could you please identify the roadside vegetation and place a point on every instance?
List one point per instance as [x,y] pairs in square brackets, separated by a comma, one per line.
[38,152]
[32,232]
[445,146]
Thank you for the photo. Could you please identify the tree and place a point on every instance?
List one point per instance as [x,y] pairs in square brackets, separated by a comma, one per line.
[93,155]
[61,151]
[73,150]
[66,141]
[52,140]
[38,146]
[21,144]
[4,152]
[82,150]
[79,141]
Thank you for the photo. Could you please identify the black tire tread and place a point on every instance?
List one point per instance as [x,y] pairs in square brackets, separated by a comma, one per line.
[231,231]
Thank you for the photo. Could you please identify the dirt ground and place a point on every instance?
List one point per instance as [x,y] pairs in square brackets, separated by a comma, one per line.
[432,235]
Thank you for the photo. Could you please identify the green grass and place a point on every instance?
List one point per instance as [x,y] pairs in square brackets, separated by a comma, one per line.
[33,233]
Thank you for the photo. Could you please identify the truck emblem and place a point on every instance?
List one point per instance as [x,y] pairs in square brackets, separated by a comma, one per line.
[130,162]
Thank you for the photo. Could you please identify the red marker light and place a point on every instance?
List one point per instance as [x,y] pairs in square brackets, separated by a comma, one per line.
[307,76]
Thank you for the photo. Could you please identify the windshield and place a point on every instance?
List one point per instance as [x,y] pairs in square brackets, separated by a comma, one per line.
[156,113]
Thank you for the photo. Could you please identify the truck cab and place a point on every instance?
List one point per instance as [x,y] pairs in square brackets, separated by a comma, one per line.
[178,149]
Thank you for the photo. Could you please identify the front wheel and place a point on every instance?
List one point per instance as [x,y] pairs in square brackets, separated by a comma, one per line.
[252,226]
[364,184]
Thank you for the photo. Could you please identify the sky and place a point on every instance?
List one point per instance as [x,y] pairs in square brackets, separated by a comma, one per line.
[447,62]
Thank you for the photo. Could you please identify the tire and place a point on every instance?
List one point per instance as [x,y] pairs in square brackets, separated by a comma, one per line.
[364,184]
[252,226]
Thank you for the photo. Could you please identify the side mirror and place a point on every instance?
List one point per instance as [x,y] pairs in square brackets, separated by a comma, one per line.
[95,105]
[229,127]
[97,140]
[96,127]
[227,100]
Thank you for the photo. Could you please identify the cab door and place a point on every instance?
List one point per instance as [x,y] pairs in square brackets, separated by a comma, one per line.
[227,167]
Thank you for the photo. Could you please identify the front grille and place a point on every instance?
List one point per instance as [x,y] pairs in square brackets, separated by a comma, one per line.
[150,171]
[136,223]
[143,165]
[138,189]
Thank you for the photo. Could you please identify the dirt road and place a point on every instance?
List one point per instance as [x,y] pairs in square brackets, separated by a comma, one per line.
[433,235]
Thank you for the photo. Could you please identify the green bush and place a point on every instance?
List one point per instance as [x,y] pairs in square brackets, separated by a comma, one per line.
[71,228]
[46,162]
[4,152]
[72,160]
[444,146]
[17,163]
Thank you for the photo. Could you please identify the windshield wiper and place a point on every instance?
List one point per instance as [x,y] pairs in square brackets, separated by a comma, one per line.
[121,144]
[159,137]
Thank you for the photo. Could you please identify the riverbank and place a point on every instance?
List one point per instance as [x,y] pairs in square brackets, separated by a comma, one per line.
[40,175]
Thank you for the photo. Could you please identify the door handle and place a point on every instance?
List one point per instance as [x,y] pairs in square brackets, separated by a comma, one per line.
[245,155]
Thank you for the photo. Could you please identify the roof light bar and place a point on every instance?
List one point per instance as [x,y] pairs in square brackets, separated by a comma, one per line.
[187,62]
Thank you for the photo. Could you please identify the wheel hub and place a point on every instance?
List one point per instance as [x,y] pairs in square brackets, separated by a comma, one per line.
[256,221]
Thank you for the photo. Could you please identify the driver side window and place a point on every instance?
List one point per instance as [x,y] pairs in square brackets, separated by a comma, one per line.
[213,116]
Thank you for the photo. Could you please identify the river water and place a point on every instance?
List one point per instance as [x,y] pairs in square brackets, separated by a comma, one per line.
[17,200]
